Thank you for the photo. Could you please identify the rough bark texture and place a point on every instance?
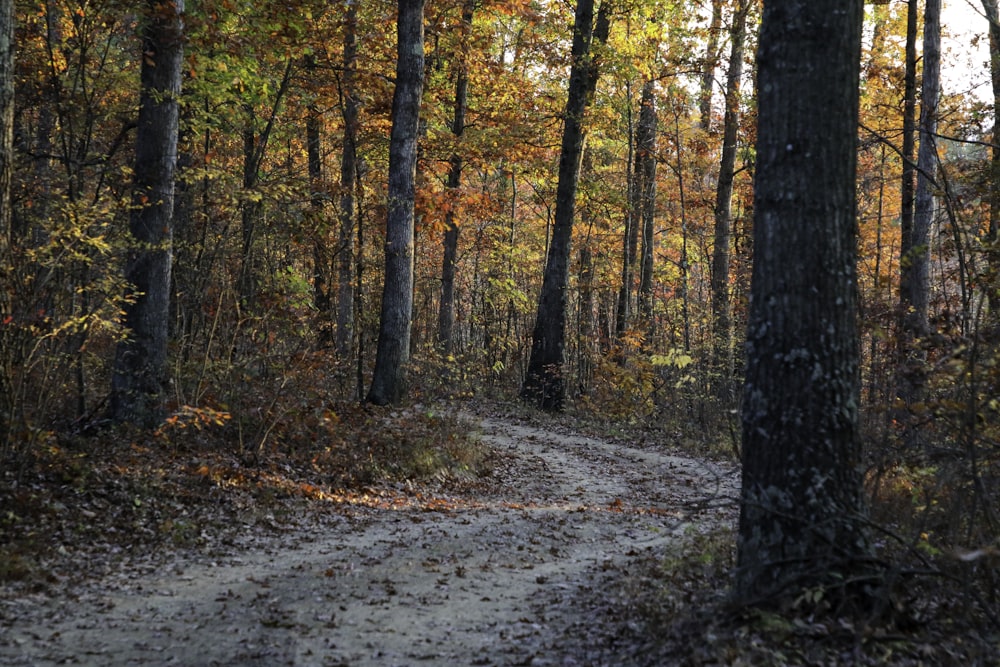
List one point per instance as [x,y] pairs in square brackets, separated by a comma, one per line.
[393,352]
[544,384]
[446,310]
[990,7]
[721,319]
[321,252]
[802,517]
[916,264]
[646,185]
[6,207]
[139,379]
[908,184]
[348,175]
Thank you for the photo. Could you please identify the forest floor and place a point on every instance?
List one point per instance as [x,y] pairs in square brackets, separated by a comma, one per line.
[555,549]
[526,569]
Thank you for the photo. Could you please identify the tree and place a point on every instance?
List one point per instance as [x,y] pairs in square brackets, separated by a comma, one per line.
[721,310]
[993,233]
[348,170]
[543,383]
[446,310]
[138,383]
[801,511]
[393,351]
[6,205]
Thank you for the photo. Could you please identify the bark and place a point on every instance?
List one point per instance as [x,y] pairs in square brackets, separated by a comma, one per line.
[6,210]
[721,310]
[393,350]
[801,513]
[993,237]
[908,184]
[446,311]
[630,238]
[544,384]
[916,263]
[646,170]
[321,255]
[139,380]
[348,176]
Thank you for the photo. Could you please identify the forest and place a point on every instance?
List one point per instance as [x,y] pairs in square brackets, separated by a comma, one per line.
[321,259]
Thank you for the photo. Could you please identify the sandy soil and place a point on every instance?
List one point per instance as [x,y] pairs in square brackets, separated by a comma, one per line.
[511,578]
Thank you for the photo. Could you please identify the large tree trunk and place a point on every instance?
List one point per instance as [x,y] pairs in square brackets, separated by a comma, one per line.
[446,310]
[393,351]
[721,318]
[348,175]
[544,384]
[802,514]
[138,384]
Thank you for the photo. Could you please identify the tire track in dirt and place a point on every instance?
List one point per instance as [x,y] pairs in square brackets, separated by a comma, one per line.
[491,580]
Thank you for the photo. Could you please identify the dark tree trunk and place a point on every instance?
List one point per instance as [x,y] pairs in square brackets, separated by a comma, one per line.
[721,311]
[993,234]
[802,519]
[544,384]
[908,184]
[348,175]
[446,311]
[138,383]
[393,350]
[630,238]
[646,169]
[321,252]
[6,211]
[915,285]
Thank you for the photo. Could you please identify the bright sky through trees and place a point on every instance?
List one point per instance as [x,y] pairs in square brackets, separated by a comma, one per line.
[965,48]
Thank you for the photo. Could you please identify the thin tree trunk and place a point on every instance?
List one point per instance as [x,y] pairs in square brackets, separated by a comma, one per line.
[348,176]
[544,384]
[393,350]
[321,256]
[646,162]
[139,380]
[6,214]
[446,311]
[721,310]
[993,234]
[630,238]
[908,184]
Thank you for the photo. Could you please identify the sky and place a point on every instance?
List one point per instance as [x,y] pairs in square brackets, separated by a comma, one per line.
[965,48]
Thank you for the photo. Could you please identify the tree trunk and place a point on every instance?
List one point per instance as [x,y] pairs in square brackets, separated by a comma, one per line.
[917,261]
[138,383]
[646,169]
[348,176]
[630,238]
[6,212]
[544,384]
[993,235]
[721,312]
[393,350]
[446,311]
[908,184]
[801,514]
[321,254]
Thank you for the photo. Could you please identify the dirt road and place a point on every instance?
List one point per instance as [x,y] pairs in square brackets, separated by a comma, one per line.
[518,577]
